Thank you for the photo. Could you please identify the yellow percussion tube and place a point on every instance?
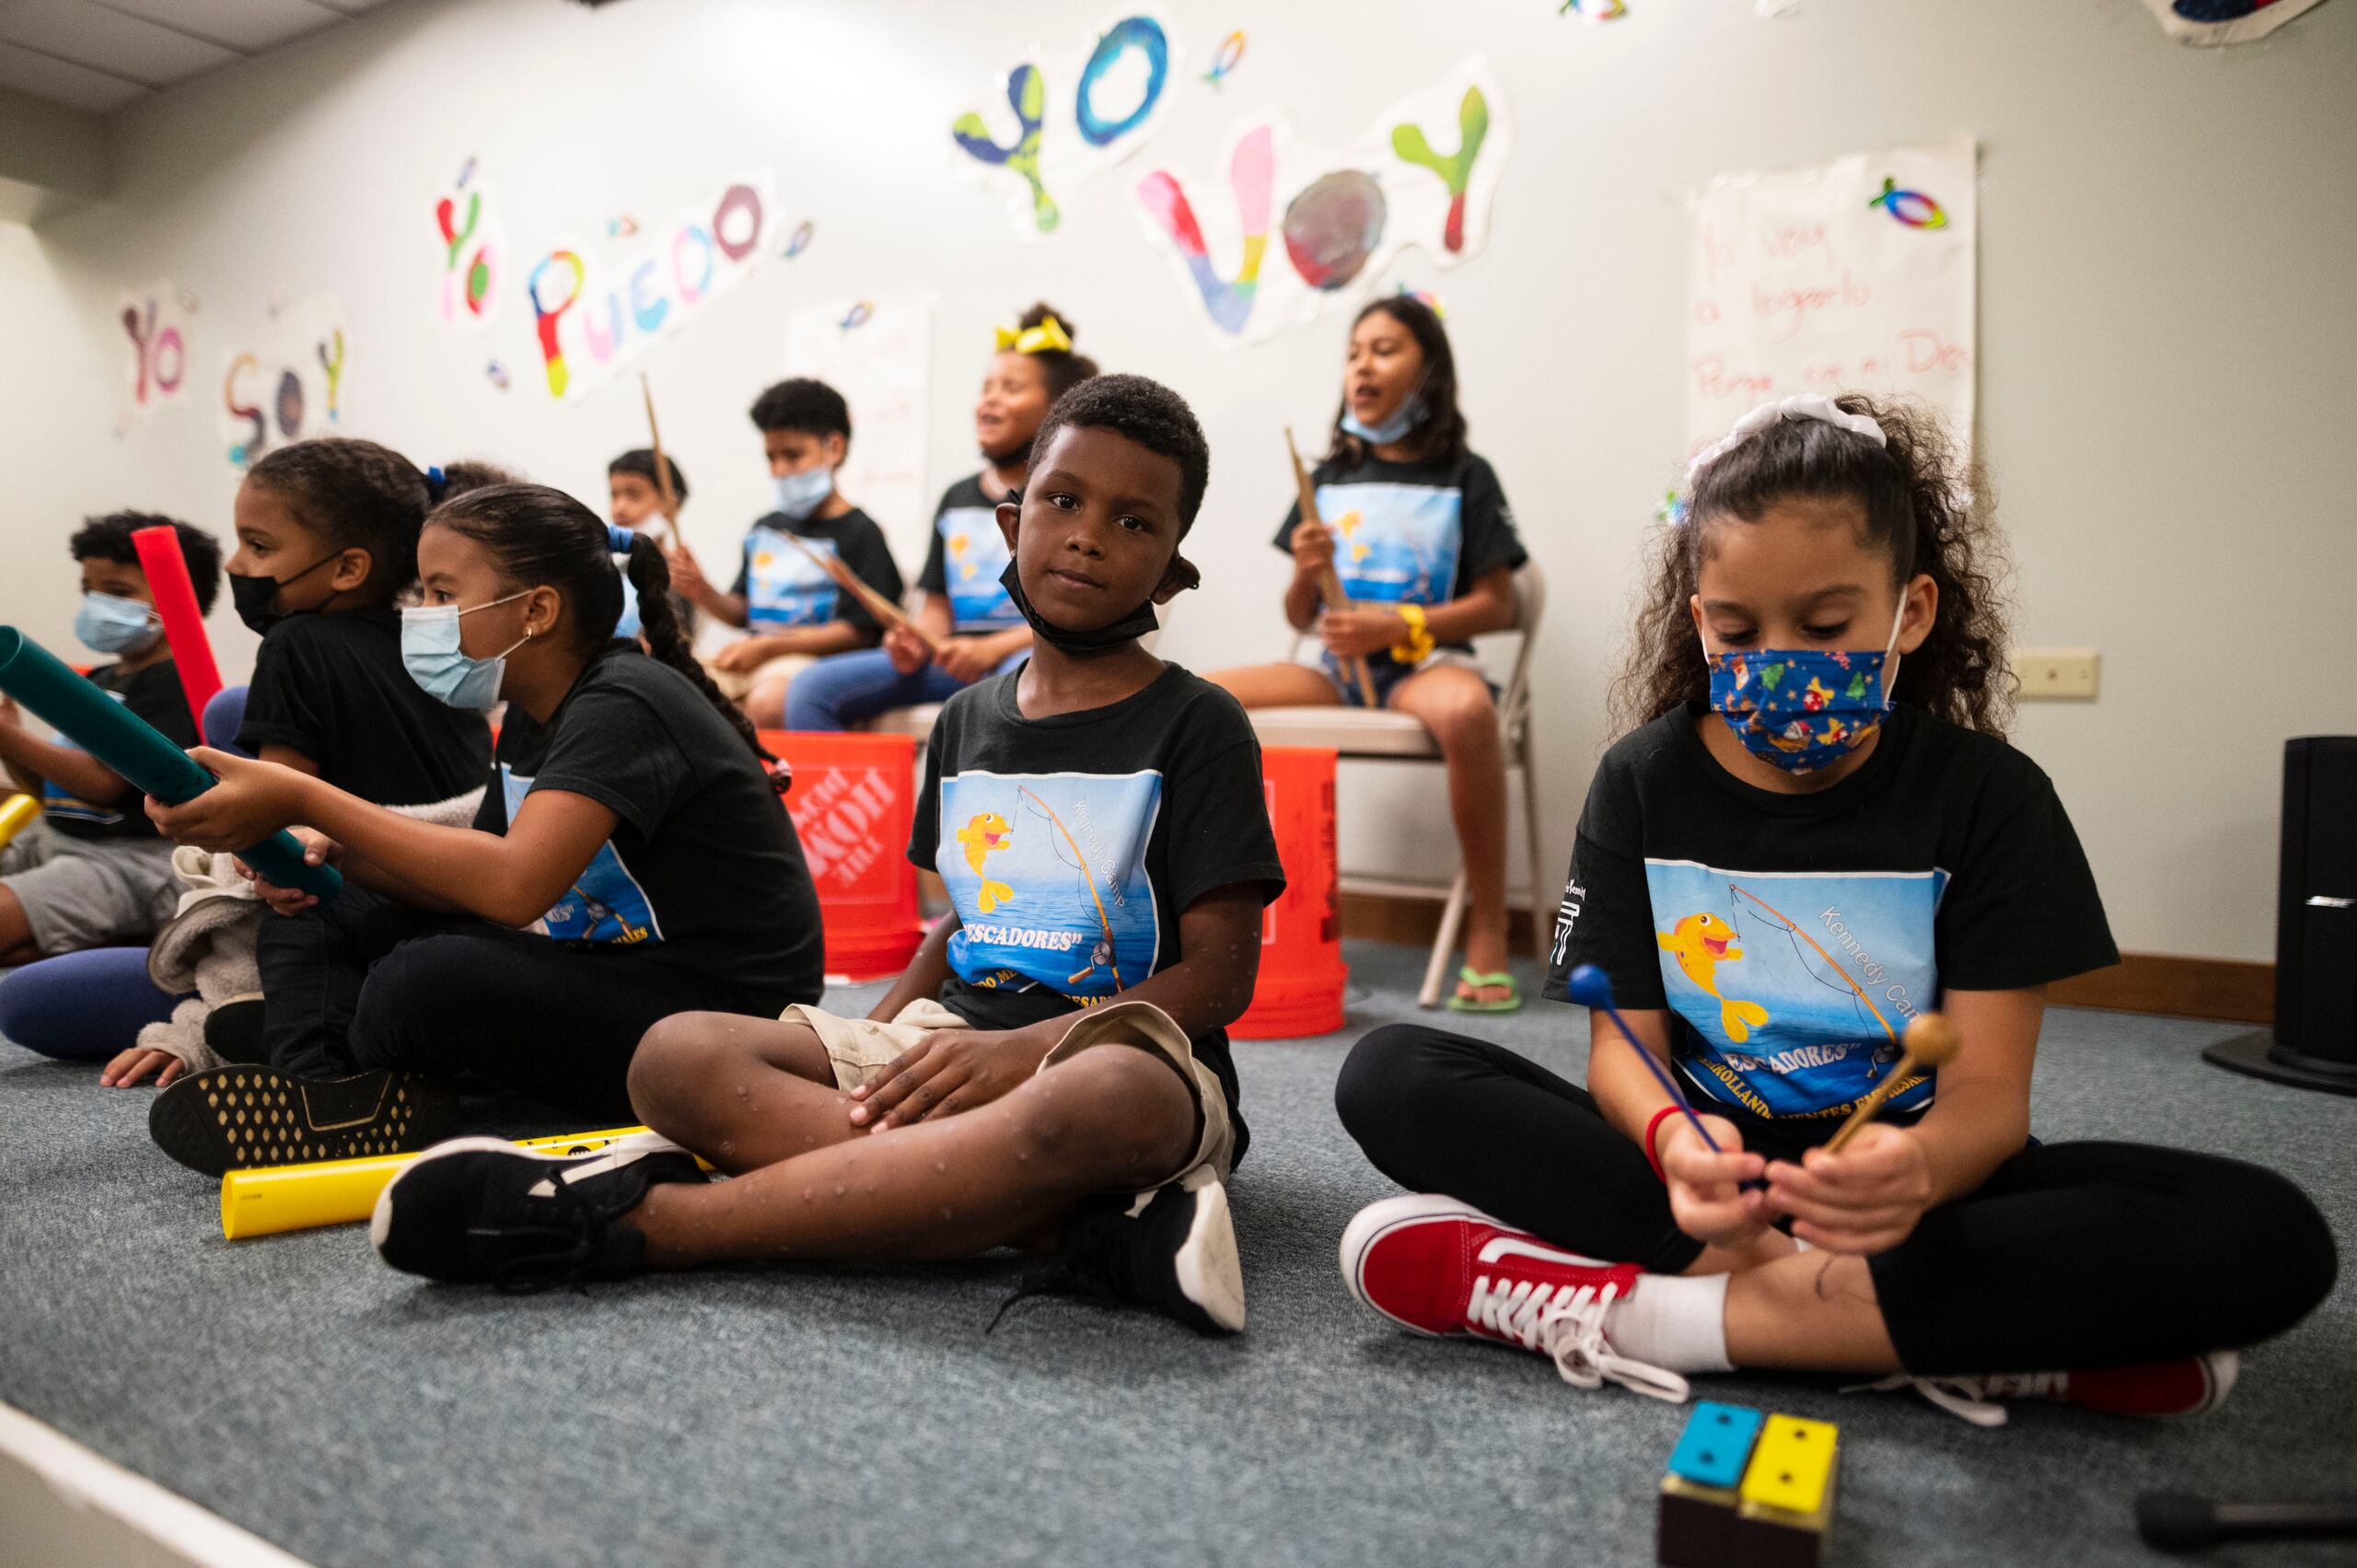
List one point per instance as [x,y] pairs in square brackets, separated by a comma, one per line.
[304,1197]
[17,813]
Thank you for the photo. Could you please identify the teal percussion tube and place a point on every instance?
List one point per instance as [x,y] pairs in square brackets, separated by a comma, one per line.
[136,749]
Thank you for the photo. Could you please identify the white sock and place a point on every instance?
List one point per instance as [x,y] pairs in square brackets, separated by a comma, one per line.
[1675,1321]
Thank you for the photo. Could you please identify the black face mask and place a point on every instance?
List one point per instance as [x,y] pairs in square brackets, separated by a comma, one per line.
[256,597]
[1136,624]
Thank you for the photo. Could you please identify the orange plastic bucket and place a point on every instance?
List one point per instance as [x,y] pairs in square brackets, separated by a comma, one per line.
[1302,979]
[852,803]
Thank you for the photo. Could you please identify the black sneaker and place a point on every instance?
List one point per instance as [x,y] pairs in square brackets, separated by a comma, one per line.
[478,1209]
[1172,1250]
[242,1118]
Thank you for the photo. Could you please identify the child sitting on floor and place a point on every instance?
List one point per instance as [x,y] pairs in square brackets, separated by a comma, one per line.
[1791,855]
[631,862]
[1053,1068]
[327,540]
[92,871]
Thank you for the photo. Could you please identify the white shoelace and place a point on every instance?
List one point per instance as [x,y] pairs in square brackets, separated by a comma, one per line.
[1974,1398]
[1567,1325]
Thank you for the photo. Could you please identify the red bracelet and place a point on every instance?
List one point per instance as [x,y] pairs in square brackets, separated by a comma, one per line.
[1650,1128]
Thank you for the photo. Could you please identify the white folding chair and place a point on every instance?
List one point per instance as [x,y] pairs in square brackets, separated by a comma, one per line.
[1383,735]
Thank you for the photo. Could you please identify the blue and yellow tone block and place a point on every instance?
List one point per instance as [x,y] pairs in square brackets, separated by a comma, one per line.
[1747,1490]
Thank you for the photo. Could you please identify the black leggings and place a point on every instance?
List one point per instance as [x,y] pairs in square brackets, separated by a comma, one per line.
[369,982]
[2071,1256]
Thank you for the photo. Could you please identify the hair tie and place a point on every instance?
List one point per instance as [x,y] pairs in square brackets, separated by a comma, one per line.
[618,539]
[1805,406]
[1048,337]
[436,483]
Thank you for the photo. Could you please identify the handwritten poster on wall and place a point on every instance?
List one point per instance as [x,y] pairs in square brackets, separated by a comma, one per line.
[1853,275]
[1290,232]
[877,354]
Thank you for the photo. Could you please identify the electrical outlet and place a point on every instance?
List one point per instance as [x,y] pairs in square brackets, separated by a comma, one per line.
[2057,675]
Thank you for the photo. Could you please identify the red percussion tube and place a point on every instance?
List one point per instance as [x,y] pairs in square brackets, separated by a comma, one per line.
[168,580]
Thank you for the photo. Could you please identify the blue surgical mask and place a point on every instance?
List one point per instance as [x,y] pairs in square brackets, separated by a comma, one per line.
[1406,417]
[799,494]
[107,625]
[430,652]
[1804,708]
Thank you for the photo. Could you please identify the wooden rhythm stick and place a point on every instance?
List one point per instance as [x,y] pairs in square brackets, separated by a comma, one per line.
[1329,582]
[668,503]
[883,609]
[1931,1042]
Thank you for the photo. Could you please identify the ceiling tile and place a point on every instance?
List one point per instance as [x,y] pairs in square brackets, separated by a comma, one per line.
[62,81]
[111,42]
[247,25]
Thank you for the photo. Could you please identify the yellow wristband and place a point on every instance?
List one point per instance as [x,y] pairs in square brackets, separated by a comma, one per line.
[1417,644]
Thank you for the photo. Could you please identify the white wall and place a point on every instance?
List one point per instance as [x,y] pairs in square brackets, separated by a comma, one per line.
[2168,315]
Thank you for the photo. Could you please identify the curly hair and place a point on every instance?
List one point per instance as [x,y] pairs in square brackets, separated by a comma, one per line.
[355,496]
[1145,412]
[109,538]
[1922,502]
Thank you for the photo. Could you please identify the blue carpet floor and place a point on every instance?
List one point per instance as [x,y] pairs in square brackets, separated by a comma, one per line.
[862,1415]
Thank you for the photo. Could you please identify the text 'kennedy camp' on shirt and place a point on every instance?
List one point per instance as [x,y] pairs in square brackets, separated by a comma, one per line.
[703,872]
[153,693]
[333,688]
[1413,533]
[1070,845]
[1794,937]
[967,558]
[784,587]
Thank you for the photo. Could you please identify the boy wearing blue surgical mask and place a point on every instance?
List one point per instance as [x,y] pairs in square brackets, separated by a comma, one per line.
[93,871]
[783,594]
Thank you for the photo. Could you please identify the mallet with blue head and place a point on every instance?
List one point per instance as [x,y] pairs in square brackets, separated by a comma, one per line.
[1591,988]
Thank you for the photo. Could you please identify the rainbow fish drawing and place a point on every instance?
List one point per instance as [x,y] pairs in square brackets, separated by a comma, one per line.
[1594,10]
[799,241]
[466,172]
[622,228]
[498,374]
[1910,207]
[858,315]
[1231,50]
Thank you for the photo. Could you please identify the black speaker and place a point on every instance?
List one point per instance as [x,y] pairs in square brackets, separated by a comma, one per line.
[2314,1043]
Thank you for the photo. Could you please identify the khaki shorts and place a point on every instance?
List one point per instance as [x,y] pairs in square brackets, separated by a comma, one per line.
[78,893]
[736,685]
[858,1047]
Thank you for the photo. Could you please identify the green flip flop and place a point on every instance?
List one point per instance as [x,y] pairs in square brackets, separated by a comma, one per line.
[1512,1002]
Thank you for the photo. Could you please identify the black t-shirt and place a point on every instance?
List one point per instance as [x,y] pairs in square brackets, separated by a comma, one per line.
[704,871]
[1074,843]
[332,687]
[154,694]
[1794,937]
[965,532]
[1413,533]
[781,586]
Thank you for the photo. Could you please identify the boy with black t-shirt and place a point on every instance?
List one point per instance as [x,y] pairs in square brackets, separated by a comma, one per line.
[1098,819]
[783,594]
[92,871]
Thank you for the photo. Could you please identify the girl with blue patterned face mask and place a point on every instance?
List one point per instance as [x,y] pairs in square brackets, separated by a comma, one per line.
[1800,601]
